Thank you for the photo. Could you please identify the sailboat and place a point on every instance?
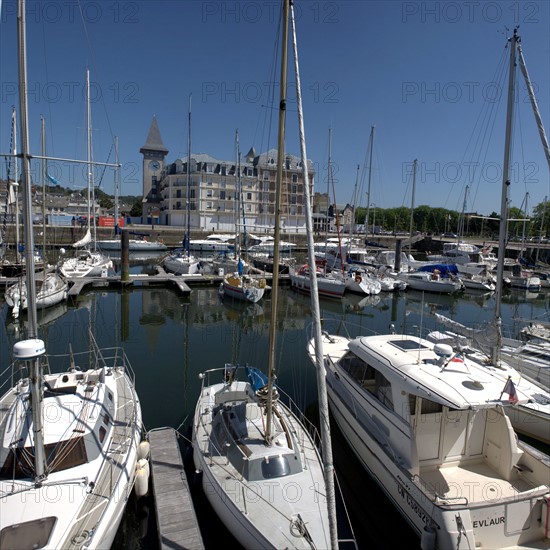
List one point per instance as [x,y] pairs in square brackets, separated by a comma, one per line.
[69,441]
[181,261]
[52,289]
[329,261]
[250,447]
[87,263]
[431,425]
[238,284]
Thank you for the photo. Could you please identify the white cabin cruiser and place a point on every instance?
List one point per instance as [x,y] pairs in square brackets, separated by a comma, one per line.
[430,426]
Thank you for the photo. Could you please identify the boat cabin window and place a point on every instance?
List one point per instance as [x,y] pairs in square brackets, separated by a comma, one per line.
[408,345]
[29,534]
[59,456]
[426,407]
[368,377]
[275,466]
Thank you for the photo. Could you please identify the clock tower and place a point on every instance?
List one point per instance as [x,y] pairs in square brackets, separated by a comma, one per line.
[153,162]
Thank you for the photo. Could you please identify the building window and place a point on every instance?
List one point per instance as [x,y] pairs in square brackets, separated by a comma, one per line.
[248,207]
[178,194]
[294,178]
[209,193]
[178,205]
[222,195]
[209,168]
[249,196]
[266,175]
[209,205]
[224,170]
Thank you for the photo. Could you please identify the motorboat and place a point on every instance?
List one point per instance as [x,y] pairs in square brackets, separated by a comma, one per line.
[429,425]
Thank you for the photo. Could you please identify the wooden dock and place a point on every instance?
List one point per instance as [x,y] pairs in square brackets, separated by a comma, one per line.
[79,283]
[176,520]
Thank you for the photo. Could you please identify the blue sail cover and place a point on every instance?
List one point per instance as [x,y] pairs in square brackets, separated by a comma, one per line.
[444,269]
[256,378]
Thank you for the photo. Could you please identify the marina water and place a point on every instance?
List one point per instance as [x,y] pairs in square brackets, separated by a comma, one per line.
[170,340]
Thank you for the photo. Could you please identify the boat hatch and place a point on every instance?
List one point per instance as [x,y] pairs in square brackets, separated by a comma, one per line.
[408,345]
[275,466]
[30,534]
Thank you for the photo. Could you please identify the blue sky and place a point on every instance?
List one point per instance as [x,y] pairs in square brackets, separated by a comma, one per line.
[421,72]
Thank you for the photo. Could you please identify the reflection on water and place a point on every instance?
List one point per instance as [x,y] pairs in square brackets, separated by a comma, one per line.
[170,340]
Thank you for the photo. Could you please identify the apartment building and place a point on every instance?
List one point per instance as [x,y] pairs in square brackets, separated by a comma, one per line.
[224,194]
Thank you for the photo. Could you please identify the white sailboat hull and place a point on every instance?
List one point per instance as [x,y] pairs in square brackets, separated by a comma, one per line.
[53,291]
[423,281]
[246,290]
[327,287]
[88,499]
[134,245]
[260,513]
[181,264]
[89,264]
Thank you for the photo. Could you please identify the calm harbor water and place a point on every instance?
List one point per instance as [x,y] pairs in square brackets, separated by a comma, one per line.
[170,340]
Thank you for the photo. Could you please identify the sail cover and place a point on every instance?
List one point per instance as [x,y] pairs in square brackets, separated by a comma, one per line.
[84,241]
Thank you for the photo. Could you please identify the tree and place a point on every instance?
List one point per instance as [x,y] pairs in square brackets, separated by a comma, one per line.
[137,208]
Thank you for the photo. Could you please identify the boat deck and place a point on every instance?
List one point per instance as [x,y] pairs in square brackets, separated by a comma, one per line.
[474,481]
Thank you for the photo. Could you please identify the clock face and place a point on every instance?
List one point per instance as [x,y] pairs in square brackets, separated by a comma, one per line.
[154,165]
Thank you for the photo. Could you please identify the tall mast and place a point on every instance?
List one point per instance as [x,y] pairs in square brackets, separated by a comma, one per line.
[117,184]
[326,442]
[355,199]
[541,229]
[277,235]
[461,228]
[238,193]
[16,187]
[514,41]
[89,146]
[188,180]
[43,139]
[35,369]
[371,144]
[412,206]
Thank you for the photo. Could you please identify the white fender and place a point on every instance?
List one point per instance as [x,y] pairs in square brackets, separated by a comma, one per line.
[143,449]
[141,485]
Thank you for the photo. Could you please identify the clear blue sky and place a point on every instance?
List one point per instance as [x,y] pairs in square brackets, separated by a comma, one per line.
[420,72]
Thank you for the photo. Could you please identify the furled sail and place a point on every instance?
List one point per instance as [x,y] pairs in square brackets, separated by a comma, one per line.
[84,241]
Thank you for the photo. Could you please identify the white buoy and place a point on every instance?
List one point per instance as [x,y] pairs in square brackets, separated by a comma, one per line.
[143,449]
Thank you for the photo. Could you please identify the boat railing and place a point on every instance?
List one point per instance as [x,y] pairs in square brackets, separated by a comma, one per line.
[286,399]
[440,500]
[91,359]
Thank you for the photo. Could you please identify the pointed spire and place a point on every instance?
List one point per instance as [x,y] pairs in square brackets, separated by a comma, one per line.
[154,141]
[251,155]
